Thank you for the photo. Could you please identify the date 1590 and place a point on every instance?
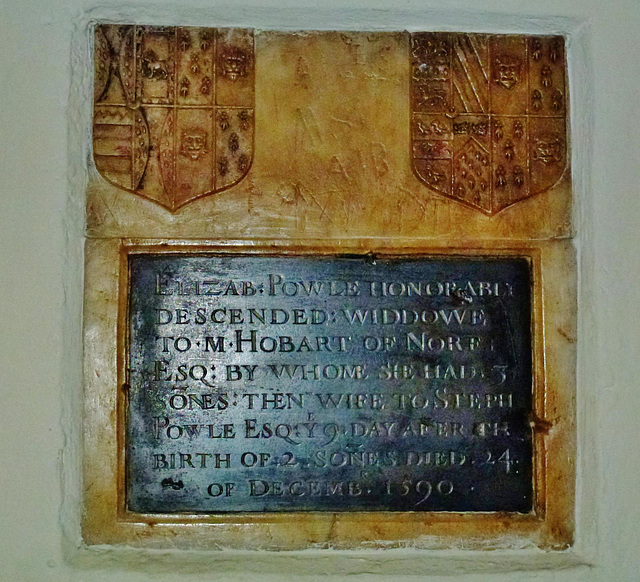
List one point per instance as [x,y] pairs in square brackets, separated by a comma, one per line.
[421,489]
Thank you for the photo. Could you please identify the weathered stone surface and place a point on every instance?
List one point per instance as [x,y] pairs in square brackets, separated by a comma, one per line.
[439,146]
[444,134]
[173,111]
[488,126]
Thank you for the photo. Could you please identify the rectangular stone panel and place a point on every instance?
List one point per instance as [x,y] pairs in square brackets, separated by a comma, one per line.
[316,383]
[229,130]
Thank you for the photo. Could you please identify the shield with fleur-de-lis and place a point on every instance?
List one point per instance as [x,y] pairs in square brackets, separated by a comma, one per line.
[173,110]
[488,125]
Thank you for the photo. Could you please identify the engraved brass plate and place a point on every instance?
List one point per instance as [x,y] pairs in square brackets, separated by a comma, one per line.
[311,383]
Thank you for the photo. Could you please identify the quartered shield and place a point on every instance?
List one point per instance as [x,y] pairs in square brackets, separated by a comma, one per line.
[173,110]
[488,120]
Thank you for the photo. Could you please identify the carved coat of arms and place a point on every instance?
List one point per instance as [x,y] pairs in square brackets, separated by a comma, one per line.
[488,116]
[173,110]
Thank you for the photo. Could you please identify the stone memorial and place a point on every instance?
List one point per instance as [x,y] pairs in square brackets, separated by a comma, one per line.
[330,289]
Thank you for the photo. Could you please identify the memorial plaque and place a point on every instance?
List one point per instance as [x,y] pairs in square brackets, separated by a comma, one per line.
[329,383]
[330,288]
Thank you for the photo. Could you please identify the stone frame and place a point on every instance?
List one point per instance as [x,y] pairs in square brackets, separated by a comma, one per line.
[105,520]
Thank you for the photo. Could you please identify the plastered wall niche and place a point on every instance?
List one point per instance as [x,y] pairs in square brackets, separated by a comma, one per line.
[41,499]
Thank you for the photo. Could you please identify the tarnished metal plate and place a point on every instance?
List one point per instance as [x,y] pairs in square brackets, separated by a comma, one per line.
[304,383]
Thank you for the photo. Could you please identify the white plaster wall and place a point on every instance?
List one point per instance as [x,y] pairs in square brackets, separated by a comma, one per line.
[43,129]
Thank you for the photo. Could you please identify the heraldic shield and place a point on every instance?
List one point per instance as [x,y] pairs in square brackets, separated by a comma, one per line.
[488,124]
[173,110]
